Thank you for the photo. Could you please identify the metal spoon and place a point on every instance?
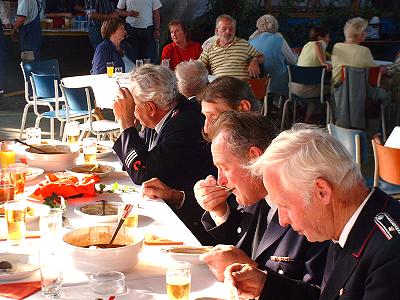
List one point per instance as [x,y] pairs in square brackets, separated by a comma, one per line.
[33,147]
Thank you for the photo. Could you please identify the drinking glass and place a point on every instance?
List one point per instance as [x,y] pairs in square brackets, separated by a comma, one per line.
[165,62]
[50,271]
[117,73]
[18,172]
[33,135]
[7,153]
[147,61]
[139,63]
[178,279]
[107,283]
[131,221]
[15,212]
[110,69]
[72,132]
[6,185]
[50,223]
[89,150]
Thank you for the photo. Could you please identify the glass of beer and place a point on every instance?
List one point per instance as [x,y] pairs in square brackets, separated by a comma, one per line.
[6,185]
[89,150]
[110,69]
[131,221]
[15,212]
[18,172]
[7,153]
[72,133]
[34,135]
[178,280]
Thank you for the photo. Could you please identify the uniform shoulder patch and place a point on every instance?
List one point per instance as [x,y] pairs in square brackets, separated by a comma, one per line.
[387,225]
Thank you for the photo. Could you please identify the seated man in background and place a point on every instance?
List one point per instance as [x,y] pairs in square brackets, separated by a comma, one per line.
[230,55]
[182,48]
[320,192]
[238,138]
[170,147]
[192,77]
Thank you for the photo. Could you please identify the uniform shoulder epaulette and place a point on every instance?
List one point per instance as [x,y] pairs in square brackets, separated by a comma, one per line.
[387,225]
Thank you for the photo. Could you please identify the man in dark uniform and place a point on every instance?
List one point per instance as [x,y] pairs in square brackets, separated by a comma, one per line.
[237,138]
[170,147]
[321,193]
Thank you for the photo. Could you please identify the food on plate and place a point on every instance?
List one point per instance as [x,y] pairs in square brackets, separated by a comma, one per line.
[98,209]
[151,239]
[91,168]
[189,250]
[5,265]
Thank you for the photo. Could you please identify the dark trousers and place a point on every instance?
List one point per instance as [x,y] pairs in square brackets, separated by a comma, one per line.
[141,43]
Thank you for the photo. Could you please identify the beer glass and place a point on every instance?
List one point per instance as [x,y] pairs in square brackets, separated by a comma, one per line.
[18,172]
[7,153]
[6,185]
[178,279]
[110,69]
[72,131]
[132,219]
[139,63]
[89,150]
[33,135]
[15,212]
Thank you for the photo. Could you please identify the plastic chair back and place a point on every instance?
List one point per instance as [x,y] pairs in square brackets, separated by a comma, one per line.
[43,67]
[44,85]
[306,75]
[259,86]
[355,141]
[387,163]
[76,98]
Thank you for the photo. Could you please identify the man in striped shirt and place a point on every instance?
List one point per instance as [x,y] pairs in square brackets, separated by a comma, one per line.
[230,55]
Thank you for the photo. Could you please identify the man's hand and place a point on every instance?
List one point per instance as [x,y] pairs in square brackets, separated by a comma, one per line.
[221,256]
[211,197]
[248,280]
[254,68]
[133,13]
[124,108]
[155,188]
[114,15]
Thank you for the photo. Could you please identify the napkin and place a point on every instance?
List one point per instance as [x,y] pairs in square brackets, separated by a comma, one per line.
[150,239]
[66,187]
[19,290]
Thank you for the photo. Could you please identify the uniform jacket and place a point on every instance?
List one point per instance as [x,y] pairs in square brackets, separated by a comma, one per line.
[180,157]
[306,260]
[366,268]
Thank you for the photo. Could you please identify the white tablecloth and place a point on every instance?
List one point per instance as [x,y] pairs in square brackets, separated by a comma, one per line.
[147,279]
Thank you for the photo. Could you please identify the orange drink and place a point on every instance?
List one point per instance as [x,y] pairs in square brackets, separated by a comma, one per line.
[7,153]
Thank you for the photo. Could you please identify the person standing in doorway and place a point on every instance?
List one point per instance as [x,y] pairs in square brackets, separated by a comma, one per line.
[27,29]
[143,26]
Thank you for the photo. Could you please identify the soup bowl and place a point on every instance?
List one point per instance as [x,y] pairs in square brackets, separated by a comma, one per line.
[86,256]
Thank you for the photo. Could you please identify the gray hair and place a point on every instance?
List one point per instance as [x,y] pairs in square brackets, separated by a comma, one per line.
[265,23]
[304,153]
[192,77]
[226,17]
[155,83]
[354,27]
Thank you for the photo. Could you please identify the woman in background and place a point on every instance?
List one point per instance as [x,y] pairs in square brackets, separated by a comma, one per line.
[110,50]
[181,48]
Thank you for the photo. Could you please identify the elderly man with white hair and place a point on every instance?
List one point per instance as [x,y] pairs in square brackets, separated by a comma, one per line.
[192,77]
[320,192]
[170,147]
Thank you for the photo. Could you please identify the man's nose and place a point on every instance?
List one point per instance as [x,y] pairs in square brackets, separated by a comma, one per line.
[283,217]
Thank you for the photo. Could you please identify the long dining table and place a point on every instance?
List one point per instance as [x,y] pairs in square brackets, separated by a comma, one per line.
[147,279]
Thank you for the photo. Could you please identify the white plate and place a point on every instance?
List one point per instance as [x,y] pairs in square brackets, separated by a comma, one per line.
[79,210]
[32,173]
[85,169]
[102,151]
[186,253]
[21,266]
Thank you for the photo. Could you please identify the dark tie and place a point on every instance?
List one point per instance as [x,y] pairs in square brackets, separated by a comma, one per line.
[262,225]
[153,137]
[333,254]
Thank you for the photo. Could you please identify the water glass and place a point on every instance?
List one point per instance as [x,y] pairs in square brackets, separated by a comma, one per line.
[33,135]
[139,63]
[178,279]
[51,223]
[15,212]
[132,219]
[50,271]
[89,150]
[165,62]
[147,61]
[7,153]
[107,283]
[110,69]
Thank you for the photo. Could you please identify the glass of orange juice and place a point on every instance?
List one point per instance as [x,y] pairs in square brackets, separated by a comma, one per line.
[110,69]
[7,153]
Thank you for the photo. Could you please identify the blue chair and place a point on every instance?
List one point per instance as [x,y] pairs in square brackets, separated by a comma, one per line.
[355,141]
[305,76]
[49,67]
[46,88]
[80,99]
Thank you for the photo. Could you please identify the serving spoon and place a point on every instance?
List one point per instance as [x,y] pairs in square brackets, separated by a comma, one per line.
[33,147]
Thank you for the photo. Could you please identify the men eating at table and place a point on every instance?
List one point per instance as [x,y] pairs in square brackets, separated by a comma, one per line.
[319,190]
[170,147]
[237,138]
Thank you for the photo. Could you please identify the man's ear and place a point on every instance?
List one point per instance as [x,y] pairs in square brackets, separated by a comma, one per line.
[323,190]
[152,108]
[244,105]
[255,152]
